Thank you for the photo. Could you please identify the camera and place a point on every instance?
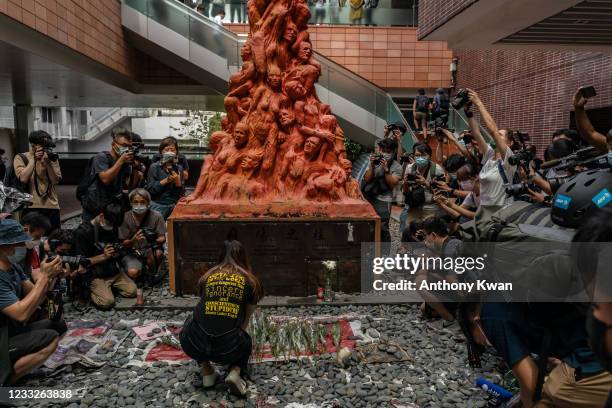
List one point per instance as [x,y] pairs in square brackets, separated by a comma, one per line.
[48,148]
[411,178]
[405,158]
[520,189]
[377,158]
[150,235]
[120,250]
[460,99]
[523,156]
[467,138]
[73,261]
[518,140]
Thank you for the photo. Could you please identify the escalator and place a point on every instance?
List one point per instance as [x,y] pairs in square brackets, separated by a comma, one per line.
[192,44]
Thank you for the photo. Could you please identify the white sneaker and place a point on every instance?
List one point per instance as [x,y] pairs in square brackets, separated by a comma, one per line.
[236,384]
[209,380]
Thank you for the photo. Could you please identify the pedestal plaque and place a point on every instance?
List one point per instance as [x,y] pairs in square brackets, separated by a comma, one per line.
[286,254]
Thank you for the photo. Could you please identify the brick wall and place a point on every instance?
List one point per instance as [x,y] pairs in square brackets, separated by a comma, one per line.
[434,13]
[390,57]
[532,90]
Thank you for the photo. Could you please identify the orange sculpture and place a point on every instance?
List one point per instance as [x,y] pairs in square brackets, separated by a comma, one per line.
[280,149]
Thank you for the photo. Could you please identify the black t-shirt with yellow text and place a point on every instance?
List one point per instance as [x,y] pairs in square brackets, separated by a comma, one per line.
[223,303]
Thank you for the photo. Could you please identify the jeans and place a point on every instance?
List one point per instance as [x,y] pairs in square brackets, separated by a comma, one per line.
[403,219]
[164,209]
[383,209]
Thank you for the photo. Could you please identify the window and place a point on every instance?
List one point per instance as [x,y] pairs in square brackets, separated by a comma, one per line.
[47,115]
[83,117]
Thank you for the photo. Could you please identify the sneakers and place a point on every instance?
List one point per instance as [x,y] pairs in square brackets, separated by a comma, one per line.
[209,380]
[236,384]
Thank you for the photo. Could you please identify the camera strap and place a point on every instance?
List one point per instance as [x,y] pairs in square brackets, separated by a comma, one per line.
[502,172]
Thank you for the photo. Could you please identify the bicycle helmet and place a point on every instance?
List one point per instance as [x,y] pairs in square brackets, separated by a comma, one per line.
[580,196]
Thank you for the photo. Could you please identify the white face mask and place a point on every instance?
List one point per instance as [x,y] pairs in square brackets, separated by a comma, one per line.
[106,227]
[168,157]
[467,185]
[140,209]
[32,244]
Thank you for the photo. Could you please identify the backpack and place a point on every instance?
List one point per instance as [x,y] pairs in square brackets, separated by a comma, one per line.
[11,179]
[415,197]
[441,103]
[422,103]
[92,198]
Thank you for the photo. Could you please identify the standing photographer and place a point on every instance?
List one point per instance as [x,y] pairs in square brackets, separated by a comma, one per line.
[39,171]
[383,174]
[97,240]
[106,176]
[165,180]
[143,229]
[419,181]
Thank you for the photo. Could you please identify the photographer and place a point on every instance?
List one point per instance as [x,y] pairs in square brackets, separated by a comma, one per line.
[469,183]
[440,108]
[419,180]
[28,257]
[97,240]
[383,174]
[143,229]
[138,175]
[496,169]
[165,179]
[439,244]
[29,343]
[39,172]
[106,176]
[181,158]
[586,129]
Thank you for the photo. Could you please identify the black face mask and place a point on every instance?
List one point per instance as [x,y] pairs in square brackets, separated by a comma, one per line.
[597,330]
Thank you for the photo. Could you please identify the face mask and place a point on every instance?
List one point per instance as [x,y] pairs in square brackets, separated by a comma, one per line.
[387,156]
[140,209]
[168,156]
[121,150]
[461,142]
[32,244]
[610,157]
[597,340]
[422,161]
[467,185]
[106,227]
[19,256]
[453,176]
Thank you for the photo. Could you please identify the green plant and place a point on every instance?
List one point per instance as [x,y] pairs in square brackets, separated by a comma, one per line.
[353,149]
[198,125]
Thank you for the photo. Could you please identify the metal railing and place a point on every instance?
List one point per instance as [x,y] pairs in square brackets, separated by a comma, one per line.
[458,121]
[334,77]
[110,118]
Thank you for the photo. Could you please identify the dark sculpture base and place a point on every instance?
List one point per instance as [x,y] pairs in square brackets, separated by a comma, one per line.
[286,253]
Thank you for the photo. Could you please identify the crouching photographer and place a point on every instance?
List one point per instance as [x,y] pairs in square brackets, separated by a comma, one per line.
[144,231]
[98,241]
[29,343]
[383,174]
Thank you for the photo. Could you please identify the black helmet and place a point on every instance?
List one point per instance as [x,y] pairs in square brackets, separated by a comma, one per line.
[580,196]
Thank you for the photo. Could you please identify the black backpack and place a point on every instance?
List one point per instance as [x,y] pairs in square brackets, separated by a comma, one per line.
[11,179]
[93,199]
[422,103]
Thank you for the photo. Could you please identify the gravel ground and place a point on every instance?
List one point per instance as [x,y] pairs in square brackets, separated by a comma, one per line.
[438,374]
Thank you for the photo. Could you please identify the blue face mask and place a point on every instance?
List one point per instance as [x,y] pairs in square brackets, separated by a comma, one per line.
[422,161]
[610,157]
[19,256]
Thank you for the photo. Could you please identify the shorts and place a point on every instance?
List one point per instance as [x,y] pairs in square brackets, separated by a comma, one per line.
[420,116]
[29,339]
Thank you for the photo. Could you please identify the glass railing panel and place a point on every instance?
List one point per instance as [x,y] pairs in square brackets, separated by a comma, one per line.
[171,14]
[359,93]
[458,122]
[214,38]
[380,16]
[138,5]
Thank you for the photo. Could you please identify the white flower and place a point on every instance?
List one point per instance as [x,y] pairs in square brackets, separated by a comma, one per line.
[330,265]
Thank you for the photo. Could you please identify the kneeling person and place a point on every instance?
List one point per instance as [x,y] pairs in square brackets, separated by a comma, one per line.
[216,330]
[30,343]
[134,233]
[97,240]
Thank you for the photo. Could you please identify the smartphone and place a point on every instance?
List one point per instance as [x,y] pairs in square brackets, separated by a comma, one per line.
[588,92]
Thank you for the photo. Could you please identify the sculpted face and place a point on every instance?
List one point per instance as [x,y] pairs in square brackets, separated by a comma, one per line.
[311,146]
[290,32]
[245,52]
[305,51]
[240,135]
[274,79]
[250,161]
[286,118]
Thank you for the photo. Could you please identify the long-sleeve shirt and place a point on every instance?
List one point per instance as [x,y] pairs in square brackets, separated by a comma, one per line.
[42,180]
[165,195]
